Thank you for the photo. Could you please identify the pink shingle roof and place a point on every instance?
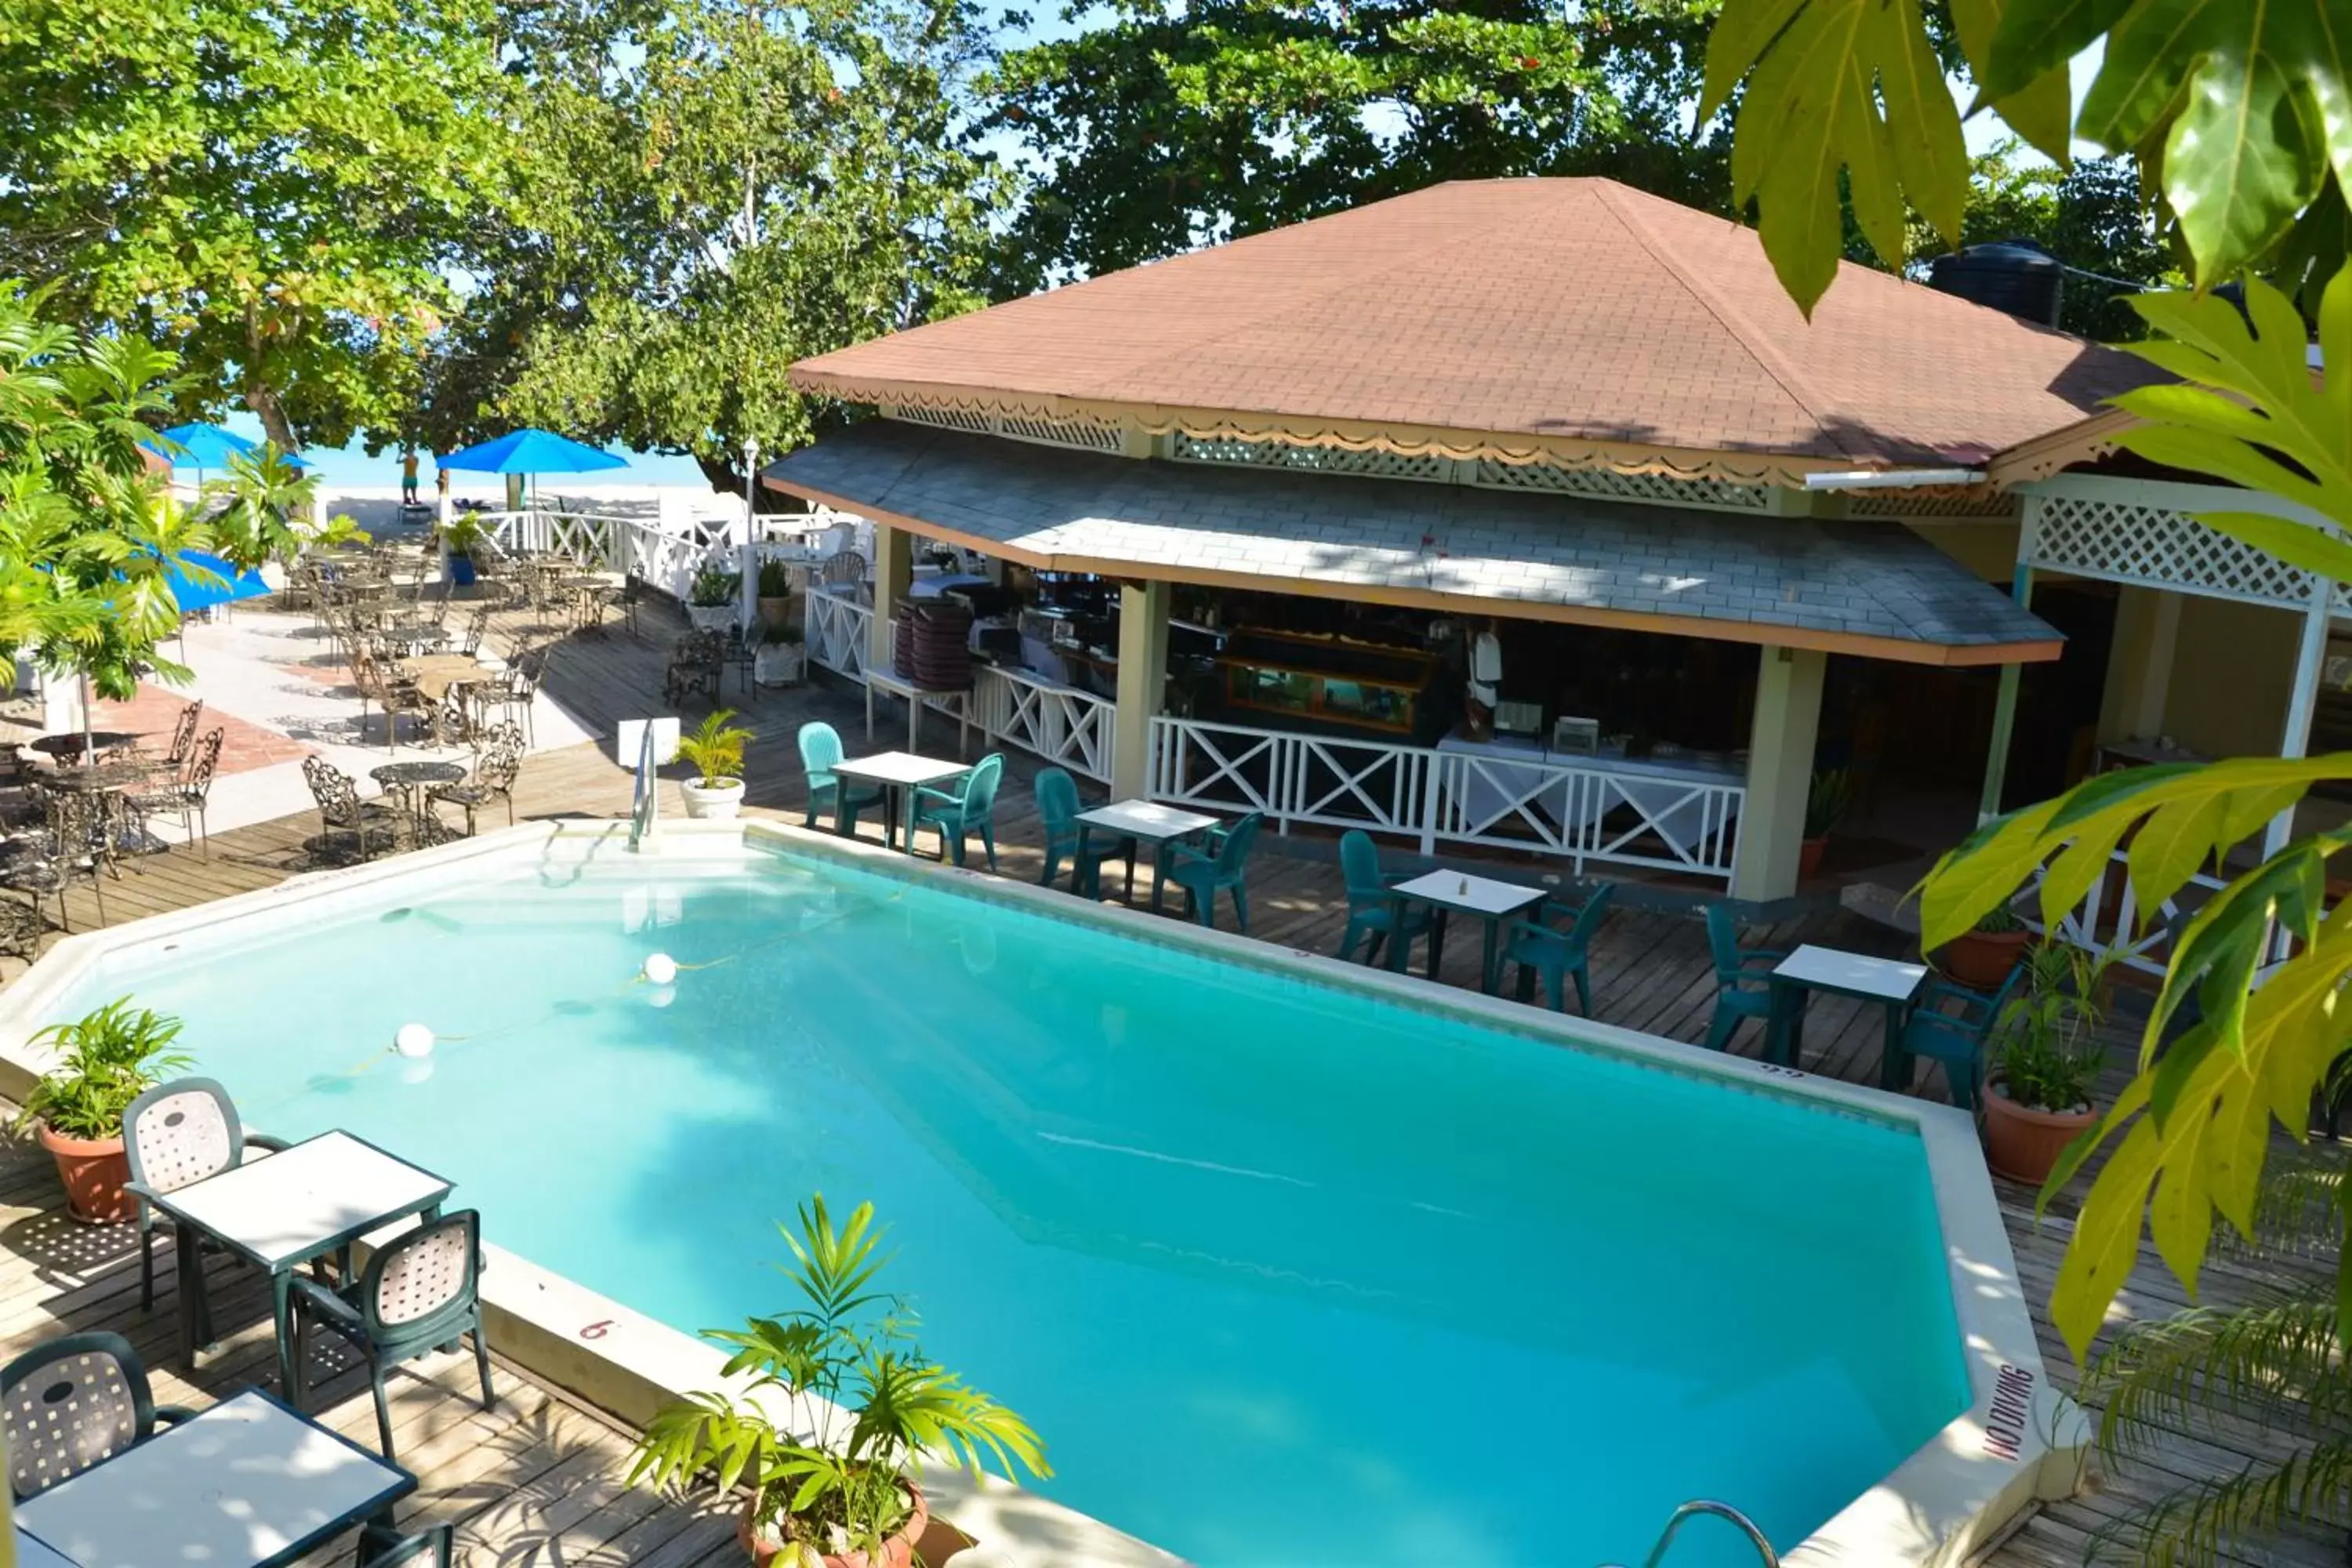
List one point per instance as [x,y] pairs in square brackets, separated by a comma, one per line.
[1575,310]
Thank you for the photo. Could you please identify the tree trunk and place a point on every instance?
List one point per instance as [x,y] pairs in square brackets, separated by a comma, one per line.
[724,476]
[264,402]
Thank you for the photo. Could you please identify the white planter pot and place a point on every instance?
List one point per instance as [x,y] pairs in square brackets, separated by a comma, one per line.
[715,805]
[710,617]
[779,664]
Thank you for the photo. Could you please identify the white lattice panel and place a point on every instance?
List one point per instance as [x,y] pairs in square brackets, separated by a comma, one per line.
[2132,541]
[1932,504]
[1289,455]
[1084,435]
[1606,484]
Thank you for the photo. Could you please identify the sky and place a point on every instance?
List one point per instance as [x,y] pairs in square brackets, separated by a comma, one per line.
[349,466]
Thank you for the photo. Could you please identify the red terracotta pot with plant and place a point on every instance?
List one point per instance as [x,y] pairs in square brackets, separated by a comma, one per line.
[1828,801]
[1982,957]
[105,1061]
[822,1432]
[2046,1064]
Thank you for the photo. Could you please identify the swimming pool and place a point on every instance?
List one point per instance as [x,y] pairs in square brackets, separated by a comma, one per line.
[1285,1271]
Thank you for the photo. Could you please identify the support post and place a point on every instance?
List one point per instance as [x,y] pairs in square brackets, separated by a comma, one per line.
[2139,663]
[1780,772]
[1142,686]
[2004,712]
[894,569]
[2310,655]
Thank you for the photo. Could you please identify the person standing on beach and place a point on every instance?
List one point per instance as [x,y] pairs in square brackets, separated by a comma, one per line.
[408,478]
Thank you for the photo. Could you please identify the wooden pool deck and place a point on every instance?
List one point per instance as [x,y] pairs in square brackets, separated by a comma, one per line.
[538,1482]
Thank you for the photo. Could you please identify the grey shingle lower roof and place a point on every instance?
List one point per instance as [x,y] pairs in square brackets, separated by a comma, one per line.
[1809,581]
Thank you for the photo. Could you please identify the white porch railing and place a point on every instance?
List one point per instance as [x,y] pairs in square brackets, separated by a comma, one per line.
[1581,812]
[2109,921]
[585,537]
[835,632]
[1059,723]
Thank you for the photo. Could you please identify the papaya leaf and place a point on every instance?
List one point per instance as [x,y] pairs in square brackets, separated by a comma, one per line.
[2169,848]
[2128,1104]
[2180,1213]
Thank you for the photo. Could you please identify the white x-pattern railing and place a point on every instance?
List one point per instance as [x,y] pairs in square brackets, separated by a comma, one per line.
[2111,922]
[837,627]
[1057,722]
[1582,812]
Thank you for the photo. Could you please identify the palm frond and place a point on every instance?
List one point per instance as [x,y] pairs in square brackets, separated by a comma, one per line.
[2196,1525]
[2276,1364]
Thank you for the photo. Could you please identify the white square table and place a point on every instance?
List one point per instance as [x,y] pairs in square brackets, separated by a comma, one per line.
[279,1213]
[1445,892]
[1889,982]
[247,1484]
[1135,823]
[899,774]
[32,1551]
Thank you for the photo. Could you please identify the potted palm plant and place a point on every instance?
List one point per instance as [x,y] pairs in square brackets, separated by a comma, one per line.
[1982,956]
[838,1412]
[780,660]
[2046,1063]
[106,1059]
[1827,802]
[460,538]
[710,598]
[715,750]
[775,594]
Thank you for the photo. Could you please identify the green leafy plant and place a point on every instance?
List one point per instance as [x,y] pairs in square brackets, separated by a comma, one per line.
[715,749]
[2000,921]
[866,1408]
[714,587]
[1828,802]
[106,1059]
[464,534]
[2048,1054]
[775,580]
[265,494]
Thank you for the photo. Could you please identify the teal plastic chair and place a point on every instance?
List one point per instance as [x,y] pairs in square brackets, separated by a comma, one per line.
[1205,873]
[1957,1039]
[1057,813]
[967,805]
[1371,912]
[1741,990]
[820,751]
[1558,953]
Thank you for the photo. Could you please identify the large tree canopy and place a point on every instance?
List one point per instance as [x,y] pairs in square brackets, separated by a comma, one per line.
[703,193]
[1165,127]
[268,188]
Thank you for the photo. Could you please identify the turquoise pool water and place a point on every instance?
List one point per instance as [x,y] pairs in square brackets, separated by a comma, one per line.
[1283,1275]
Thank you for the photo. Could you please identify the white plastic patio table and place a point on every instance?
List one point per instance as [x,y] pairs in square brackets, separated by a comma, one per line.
[1491,900]
[897,773]
[1889,982]
[280,1212]
[32,1551]
[247,1484]
[1135,823]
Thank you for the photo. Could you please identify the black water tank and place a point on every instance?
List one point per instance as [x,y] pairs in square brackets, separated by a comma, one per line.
[2013,275]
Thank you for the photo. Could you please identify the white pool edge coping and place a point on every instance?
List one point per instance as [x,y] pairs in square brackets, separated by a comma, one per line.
[2020,1440]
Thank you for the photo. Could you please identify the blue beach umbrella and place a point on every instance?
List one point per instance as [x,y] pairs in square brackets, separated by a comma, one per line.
[531,452]
[206,446]
[226,585]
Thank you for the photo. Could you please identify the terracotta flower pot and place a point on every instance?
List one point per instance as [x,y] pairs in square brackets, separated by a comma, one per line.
[93,1171]
[898,1552]
[2023,1143]
[775,611]
[1809,856]
[1981,960]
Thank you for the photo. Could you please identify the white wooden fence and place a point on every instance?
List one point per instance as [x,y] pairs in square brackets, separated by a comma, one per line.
[1581,812]
[836,631]
[1064,726]
[2110,920]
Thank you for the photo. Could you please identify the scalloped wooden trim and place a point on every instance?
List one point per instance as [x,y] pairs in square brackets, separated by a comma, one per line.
[1756,468]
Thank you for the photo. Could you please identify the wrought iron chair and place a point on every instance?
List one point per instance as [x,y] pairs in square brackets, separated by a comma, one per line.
[184,739]
[493,779]
[477,629]
[1560,955]
[175,1135]
[395,697]
[1372,914]
[698,664]
[1741,990]
[420,1291]
[187,795]
[72,1404]
[343,812]
[965,807]
[80,841]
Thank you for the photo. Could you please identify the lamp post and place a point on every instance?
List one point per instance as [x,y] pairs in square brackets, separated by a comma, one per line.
[750,554]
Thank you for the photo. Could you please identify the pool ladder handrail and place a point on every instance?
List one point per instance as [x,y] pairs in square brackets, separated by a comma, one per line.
[1722,1511]
[644,809]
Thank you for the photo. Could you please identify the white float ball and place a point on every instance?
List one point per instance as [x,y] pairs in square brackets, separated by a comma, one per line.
[413,1040]
[416,1070]
[661,969]
[661,995]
